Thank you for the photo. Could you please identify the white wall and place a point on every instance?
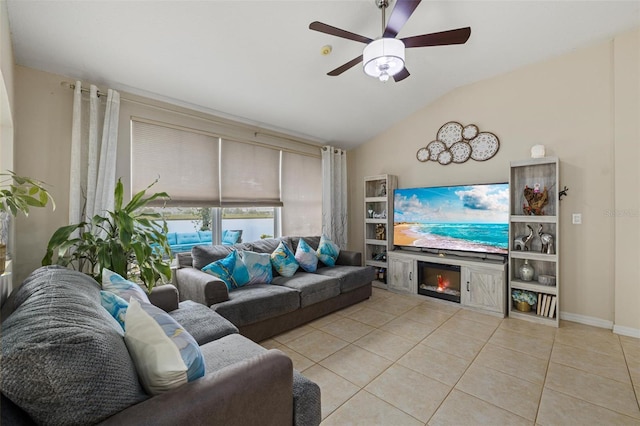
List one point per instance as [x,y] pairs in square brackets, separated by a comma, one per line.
[568,104]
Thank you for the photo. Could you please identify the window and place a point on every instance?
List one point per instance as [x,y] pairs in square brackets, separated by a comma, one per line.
[221,184]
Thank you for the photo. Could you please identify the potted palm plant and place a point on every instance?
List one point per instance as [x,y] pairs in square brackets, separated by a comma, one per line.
[127,240]
[18,194]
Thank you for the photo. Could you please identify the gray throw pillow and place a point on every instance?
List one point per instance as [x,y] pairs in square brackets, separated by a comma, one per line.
[64,360]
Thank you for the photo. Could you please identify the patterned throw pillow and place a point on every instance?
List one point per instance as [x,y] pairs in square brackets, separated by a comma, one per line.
[328,251]
[259,266]
[115,305]
[124,288]
[306,256]
[165,354]
[284,261]
[231,270]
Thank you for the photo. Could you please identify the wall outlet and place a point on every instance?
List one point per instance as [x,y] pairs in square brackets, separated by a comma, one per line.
[576,218]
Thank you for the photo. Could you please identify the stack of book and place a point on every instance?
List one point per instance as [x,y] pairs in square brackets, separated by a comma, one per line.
[546,305]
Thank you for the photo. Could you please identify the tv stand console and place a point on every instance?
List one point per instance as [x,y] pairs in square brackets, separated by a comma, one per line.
[481,282]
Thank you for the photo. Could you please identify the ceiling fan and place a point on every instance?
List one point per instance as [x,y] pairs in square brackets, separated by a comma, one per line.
[384,57]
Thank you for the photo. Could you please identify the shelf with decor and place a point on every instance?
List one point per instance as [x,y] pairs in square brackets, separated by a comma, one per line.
[378,224]
[534,231]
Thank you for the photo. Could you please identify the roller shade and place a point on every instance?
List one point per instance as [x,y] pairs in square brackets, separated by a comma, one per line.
[249,175]
[301,194]
[185,162]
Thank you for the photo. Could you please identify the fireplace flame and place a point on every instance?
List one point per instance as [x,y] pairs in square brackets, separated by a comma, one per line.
[442,284]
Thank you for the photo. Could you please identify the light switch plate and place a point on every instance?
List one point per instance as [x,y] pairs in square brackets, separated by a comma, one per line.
[576,218]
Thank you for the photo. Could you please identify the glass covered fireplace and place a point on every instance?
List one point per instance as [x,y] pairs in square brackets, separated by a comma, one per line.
[440,281]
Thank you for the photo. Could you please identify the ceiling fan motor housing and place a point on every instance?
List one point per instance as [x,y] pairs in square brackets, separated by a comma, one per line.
[383,58]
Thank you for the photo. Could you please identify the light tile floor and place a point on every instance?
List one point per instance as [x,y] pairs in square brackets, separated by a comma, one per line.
[401,360]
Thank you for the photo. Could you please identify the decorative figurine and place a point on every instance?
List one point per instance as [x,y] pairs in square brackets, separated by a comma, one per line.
[520,243]
[383,189]
[381,232]
[536,200]
[546,240]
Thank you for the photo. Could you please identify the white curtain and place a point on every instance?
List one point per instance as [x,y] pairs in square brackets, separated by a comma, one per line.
[334,195]
[93,162]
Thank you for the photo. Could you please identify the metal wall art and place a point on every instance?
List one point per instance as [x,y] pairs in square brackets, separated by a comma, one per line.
[456,143]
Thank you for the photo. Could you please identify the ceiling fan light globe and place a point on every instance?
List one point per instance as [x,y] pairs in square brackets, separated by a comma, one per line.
[384,55]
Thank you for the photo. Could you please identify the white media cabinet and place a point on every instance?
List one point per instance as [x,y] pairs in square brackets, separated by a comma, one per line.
[483,281]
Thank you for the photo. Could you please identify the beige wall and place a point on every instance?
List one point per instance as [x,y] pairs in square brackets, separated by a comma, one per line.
[567,104]
[626,57]
[43,146]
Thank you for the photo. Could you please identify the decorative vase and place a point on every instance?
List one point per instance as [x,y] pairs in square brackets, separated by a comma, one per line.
[526,271]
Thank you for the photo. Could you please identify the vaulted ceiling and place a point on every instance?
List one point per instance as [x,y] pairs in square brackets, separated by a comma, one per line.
[257,61]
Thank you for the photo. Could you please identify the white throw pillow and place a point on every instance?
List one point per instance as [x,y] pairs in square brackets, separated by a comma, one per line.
[166,355]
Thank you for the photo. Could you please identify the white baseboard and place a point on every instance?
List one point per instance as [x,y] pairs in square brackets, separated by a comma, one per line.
[583,319]
[626,331]
[597,322]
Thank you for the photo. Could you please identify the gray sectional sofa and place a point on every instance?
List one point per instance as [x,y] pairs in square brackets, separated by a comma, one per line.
[65,362]
[264,310]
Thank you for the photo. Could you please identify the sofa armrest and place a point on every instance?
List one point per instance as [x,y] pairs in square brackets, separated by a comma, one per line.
[193,284]
[256,391]
[164,297]
[349,258]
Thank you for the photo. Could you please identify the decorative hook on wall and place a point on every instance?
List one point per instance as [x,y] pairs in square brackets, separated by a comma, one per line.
[562,193]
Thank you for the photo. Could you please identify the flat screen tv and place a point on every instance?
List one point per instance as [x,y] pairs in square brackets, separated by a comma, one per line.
[458,219]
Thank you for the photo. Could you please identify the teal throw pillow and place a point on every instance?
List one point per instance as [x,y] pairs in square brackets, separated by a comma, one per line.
[124,288]
[259,267]
[306,256]
[231,270]
[166,356]
[115,305]
[328,251]
[284,261]
[230,237]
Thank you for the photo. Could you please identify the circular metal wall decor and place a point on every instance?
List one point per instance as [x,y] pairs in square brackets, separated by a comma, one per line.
[450,133]
[456,143]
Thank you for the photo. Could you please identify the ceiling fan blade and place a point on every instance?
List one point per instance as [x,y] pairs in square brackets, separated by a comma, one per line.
[404,73]
[399,16]
[328,29]
[457,36]
[345,67]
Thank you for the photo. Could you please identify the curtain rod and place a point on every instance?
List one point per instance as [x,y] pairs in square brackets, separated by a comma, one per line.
[257,132]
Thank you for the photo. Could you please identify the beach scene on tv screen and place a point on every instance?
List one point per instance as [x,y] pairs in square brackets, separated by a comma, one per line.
[465,218]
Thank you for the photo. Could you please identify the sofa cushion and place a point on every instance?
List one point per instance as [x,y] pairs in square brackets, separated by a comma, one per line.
[284,261]
[231,270]
[165,354]
[306,256]
[205,236]
[266,245]
[314,242]
[328,251]
[230,237]
[313,288]
[253,303]
[259,266]
[235,348]
[122,287]
[115,305]
[202,323]
[172,238]
[187,238]
[204,255]
[68,330]
[349,277]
